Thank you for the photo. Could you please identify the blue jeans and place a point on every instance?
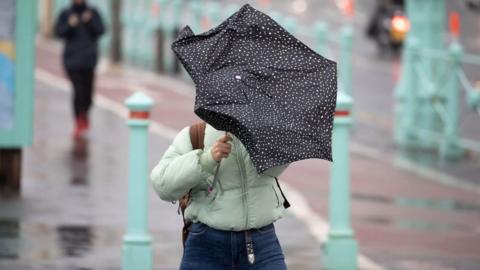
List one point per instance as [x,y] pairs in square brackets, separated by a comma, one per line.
[210,249]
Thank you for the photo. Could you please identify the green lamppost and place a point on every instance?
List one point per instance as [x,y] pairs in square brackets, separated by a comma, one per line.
[137,249]
[341,248]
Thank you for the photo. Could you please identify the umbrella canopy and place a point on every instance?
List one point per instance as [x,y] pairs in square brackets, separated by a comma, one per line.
[257,81]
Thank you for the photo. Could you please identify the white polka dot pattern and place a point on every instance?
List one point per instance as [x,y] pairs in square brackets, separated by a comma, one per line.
[257,81]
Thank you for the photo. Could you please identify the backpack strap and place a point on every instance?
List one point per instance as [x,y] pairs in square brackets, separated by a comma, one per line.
[197,136]
[286,204]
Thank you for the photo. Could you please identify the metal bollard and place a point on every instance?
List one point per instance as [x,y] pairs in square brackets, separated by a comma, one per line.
[449,148]
[341,248]
[137,249]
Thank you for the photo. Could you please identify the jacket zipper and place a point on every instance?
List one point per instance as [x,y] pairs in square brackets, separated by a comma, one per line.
[244,184]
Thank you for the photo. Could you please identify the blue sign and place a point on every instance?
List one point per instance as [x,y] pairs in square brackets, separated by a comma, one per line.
[7,64]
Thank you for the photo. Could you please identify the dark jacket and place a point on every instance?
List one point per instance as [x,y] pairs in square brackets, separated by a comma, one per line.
[81,50]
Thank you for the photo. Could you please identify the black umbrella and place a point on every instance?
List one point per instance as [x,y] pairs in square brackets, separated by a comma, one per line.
[260,83]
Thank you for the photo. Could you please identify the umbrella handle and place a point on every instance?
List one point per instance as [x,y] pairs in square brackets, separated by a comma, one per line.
[215,178]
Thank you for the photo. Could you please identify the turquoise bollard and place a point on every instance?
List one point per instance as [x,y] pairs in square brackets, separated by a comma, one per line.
[176,11]
[290,25]
[232,8]
[345,65]
[275,16]
[320,30]
[214,13]
[162,5]
[196,13]
[137,249]
[341,248]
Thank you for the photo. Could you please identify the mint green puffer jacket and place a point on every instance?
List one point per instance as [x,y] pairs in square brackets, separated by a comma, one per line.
[242,199]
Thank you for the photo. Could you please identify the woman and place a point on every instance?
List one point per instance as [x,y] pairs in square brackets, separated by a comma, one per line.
[232,217]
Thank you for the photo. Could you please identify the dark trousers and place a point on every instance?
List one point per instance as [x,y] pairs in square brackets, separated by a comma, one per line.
[82,81]
[210,249]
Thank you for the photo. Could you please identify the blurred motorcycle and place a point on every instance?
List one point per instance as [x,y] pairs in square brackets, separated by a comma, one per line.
[389,27]
[473,5]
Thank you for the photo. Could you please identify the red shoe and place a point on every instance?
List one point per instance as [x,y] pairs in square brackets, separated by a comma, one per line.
[86,121]
[79,128]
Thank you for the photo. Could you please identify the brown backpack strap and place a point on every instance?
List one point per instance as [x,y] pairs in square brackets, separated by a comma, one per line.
[197,136]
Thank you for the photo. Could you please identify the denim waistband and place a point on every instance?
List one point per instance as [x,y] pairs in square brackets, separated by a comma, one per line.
[261,229]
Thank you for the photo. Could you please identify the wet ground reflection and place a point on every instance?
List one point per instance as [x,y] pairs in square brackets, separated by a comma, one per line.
[79,162]
[75,241]
[420,203]
[9,239]
[418,225]
[447,205]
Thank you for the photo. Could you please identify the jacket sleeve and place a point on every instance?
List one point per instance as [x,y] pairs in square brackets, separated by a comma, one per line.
[62,27]
[181,168]
[95,26]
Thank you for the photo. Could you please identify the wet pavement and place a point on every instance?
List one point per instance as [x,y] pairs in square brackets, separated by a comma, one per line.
[72,212]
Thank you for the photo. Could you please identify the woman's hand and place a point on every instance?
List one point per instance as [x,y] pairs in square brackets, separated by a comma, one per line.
[221,148]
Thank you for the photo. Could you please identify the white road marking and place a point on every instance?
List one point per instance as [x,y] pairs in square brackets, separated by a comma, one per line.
[102,101]
[318,226]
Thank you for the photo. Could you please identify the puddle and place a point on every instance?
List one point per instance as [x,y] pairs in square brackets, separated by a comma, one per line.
[79,168]
[75,241]
[417,203]
[9,239]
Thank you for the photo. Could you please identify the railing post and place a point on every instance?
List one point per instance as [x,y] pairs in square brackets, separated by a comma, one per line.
[214,13]
[450,148]
[345,66]
[290,24]
[406,95]
[196,9]
[232,8]
[320,28]
[341,248]
[137,250]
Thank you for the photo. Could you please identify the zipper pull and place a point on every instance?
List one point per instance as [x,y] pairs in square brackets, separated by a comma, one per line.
[250,252]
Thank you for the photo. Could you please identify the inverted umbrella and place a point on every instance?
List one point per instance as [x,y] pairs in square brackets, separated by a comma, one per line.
[257,81]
